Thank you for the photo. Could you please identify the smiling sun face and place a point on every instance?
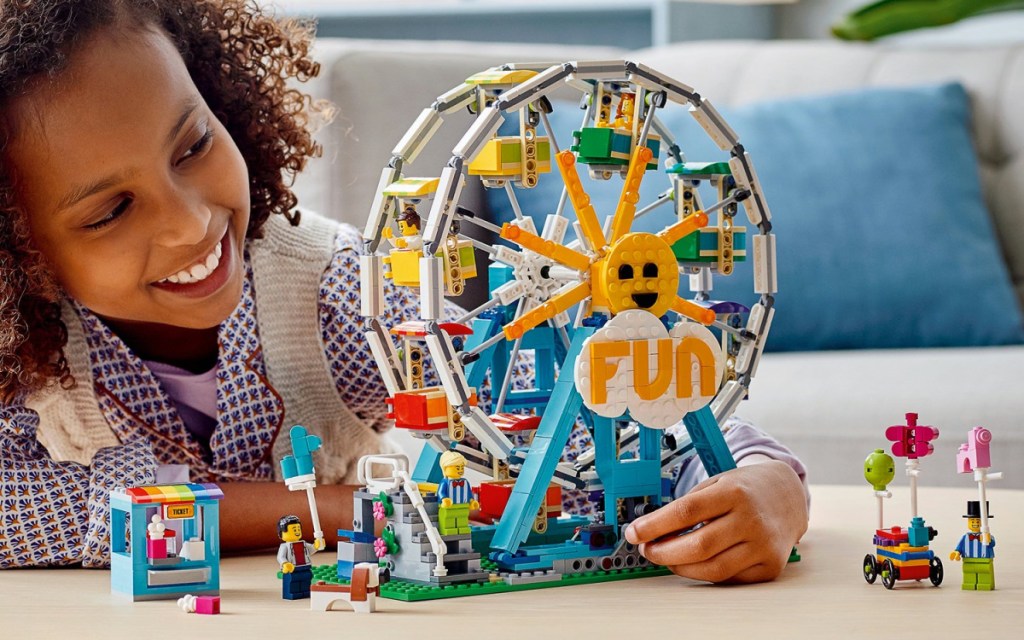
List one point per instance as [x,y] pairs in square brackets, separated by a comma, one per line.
[639,272]
[623,271]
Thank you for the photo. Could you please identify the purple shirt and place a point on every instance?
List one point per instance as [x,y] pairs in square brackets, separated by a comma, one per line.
[194,396]
[744,439]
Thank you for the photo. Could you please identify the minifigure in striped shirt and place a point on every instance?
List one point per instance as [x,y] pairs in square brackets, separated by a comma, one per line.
[455,494]
[977,550]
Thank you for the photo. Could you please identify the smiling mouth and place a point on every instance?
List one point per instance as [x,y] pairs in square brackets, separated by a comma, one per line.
[644,300]
[199,271]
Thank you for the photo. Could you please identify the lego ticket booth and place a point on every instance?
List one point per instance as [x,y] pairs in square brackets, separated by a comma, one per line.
[165,541]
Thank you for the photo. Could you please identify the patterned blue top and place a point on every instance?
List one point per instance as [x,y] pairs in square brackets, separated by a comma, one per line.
[972,546]
[55,512]
[455,489]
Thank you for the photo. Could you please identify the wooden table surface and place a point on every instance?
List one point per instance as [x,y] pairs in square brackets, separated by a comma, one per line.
[823,596]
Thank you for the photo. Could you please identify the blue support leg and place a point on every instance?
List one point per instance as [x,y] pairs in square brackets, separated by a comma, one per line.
[545,452]
[709,442]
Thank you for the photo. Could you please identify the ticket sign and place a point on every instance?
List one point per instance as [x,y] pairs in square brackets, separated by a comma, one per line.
[635,364]
[179,511]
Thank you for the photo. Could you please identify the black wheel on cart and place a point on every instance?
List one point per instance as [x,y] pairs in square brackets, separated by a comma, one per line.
[890,574]
[935,571]
[870,568]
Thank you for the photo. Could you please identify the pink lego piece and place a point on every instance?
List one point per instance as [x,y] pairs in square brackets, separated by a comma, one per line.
[912,440]
[210,605]
[974,454]
[156,549]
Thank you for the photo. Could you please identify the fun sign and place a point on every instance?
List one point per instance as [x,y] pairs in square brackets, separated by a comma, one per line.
[635,364]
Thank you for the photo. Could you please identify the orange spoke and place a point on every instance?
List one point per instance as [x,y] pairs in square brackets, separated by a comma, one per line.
[693,311]
[683,228]
[624,213]
[564,255]
[546,311]
[580,200]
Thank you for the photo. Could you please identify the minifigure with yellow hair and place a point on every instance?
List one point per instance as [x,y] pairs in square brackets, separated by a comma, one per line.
[455,494]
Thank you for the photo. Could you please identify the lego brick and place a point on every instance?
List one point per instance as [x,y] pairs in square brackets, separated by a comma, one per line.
[766,279]
[502,156]
[725,403]
[371,291]
[609,146]
[412,592]
[716,127]
[599,69]
[183,576]
[703,246]
[531,577]
[504,76]
[655,81]
[482,130]
[443,207]
[534,88]
[746,178]
[418,135]
[381,208]
[456,98]
[208,605]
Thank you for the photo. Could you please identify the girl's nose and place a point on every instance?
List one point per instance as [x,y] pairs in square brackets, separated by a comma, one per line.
[182,219]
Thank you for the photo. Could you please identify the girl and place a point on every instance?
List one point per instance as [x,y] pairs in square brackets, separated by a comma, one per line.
[164,302]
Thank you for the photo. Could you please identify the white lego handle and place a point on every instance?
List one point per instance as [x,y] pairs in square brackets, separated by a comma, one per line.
[398,462]
[318,533]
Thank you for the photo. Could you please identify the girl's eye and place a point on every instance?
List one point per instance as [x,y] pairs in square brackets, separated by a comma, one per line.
[111,216]
[198,147]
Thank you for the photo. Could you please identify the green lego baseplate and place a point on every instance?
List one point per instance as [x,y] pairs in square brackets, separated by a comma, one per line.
[411,592]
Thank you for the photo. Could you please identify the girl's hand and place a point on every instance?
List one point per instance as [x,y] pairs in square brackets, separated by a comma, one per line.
[750,519]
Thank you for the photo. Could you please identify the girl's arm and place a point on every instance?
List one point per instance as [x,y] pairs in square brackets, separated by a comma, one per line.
[56,513]
[250,511]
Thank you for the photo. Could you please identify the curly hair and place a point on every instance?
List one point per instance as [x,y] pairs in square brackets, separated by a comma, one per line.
[240,58]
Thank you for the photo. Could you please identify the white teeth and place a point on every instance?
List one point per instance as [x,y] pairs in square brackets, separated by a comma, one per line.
[198,272]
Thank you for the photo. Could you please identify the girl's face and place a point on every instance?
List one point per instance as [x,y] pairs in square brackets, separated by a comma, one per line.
[134,191]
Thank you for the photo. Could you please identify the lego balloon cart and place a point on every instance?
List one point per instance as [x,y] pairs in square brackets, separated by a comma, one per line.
[650,372]
[901,553]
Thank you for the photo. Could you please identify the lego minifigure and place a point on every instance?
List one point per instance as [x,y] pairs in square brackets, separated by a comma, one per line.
[977,550]
[409,226]
[624,113]
[455,494]
[294,556]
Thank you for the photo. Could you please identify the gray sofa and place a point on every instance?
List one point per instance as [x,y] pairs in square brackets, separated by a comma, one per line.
[830,407]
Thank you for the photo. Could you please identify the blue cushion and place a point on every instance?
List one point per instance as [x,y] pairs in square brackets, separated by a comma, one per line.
[883,238]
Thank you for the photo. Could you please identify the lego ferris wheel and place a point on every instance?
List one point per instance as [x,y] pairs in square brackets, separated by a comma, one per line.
[614,342]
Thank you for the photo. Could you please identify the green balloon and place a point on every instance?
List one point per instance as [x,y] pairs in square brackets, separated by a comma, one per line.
[879,469]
